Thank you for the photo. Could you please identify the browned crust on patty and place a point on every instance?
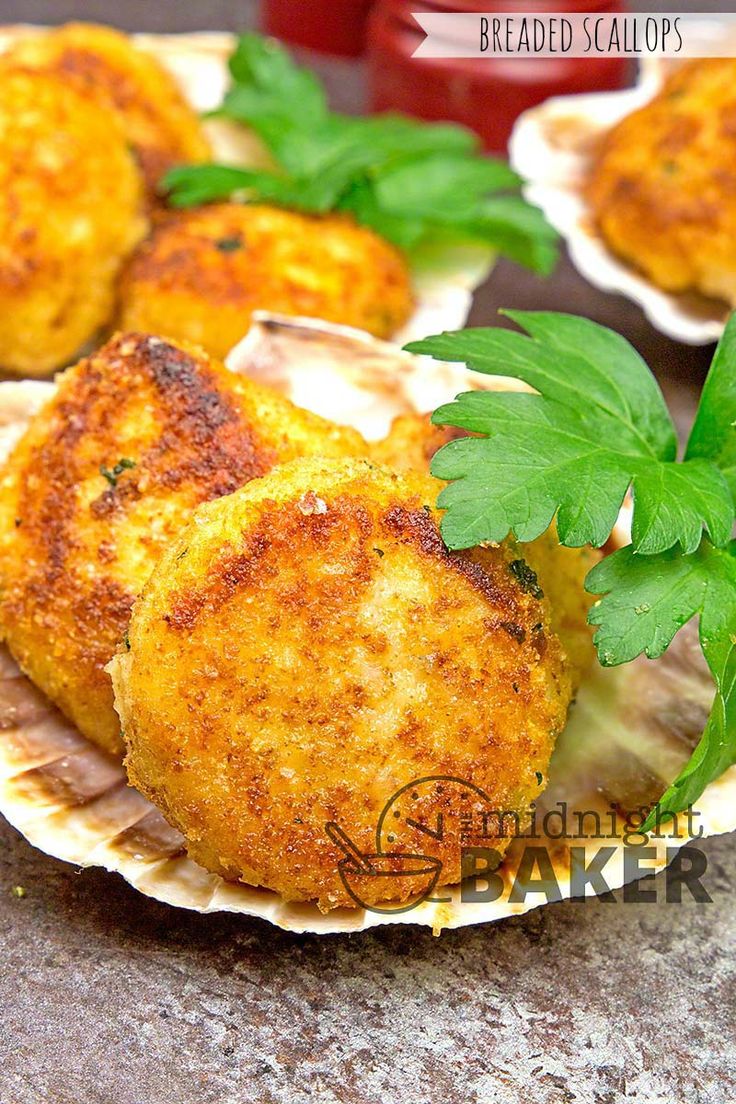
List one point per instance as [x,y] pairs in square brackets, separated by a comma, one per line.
[205,270]
[138,435]
[104,64]
[410,446]
[662,183]
[308,647]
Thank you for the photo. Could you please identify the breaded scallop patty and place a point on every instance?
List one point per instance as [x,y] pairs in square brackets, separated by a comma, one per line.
[560,572]
[306,649]
[663,184]
[104,65]
[70,211]
[203,272]
[135,438]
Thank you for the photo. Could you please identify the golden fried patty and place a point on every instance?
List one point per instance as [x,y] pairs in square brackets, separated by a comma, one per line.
[203,272]
[308,647]
[136,437]
[410,445]
[70,211]
[663,184]
[102,63]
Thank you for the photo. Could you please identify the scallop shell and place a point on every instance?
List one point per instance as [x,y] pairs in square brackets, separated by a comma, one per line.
[550,147]
[443,281]
[629,731]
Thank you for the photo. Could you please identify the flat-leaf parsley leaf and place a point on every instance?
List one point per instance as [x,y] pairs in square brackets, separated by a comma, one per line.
[597,425]
[647,599]
[594,425]
[713,435]
[412,182]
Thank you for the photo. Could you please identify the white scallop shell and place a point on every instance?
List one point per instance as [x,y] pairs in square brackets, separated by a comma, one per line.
[550,148]
[630,727]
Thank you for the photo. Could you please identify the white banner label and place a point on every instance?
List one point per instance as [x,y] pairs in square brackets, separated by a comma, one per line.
[562,34]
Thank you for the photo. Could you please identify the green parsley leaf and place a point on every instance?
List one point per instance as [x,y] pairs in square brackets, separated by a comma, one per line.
[265,74]
[647,599]
[360,200]
[401,136]
[446,180]
[451,191]
[713,436]
[593,423]
[597,426]
[413,182]
[190,185]
[517,230]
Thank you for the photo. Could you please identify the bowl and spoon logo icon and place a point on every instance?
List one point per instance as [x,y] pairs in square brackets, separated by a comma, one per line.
[405,842]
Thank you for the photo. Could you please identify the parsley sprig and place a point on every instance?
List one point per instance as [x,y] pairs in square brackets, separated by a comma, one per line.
[412,182]
[593,427]
[647,599]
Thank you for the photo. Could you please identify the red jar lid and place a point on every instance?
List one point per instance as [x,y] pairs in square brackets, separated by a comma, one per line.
[486,94]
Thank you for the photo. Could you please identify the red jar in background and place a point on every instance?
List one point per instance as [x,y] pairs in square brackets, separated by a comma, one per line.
[486,94]
[330,26]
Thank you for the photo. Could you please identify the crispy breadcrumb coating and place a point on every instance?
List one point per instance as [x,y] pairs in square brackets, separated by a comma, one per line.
[203,272]
[70,211]
[410,445]
[104,65]
[135,437]
[663,183]
[309,646]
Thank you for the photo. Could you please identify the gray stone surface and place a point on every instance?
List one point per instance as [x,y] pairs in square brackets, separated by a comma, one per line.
[108,998]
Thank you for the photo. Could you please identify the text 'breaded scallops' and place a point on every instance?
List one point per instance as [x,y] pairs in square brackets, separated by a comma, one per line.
[308,647]
[203,272]
[560,572]
[104,65]
[134,439]
[663,184]
[70,211]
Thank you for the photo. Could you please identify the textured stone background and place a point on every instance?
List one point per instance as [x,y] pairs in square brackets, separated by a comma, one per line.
[109,998]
